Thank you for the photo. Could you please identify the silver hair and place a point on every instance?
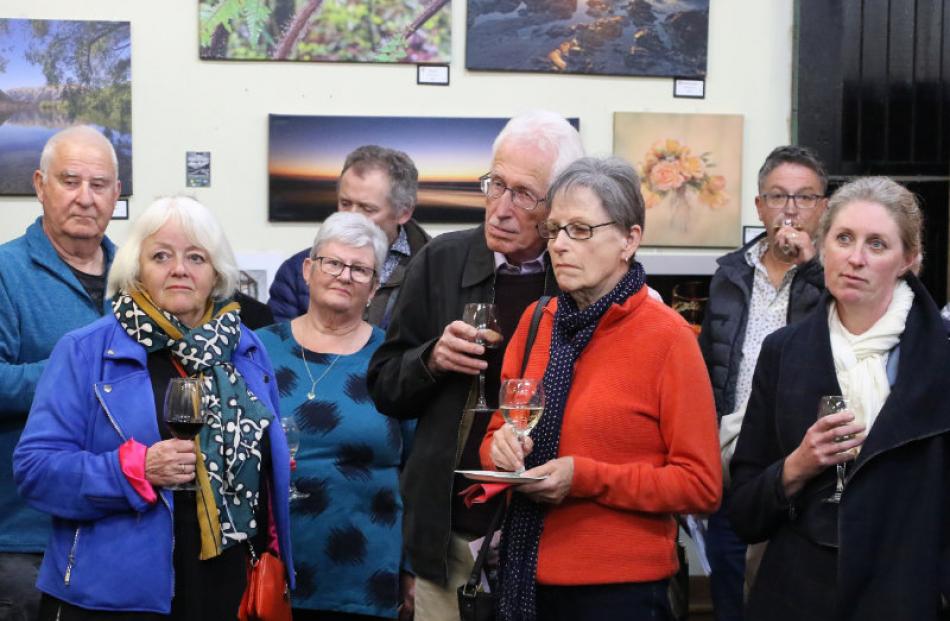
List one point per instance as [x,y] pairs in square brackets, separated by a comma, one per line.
[613,181]
[199,225]
[548,131]
[403,176]
[87,132]
[897,200]
[354,230]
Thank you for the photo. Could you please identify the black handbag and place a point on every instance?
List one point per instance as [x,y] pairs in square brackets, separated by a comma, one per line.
[475,604]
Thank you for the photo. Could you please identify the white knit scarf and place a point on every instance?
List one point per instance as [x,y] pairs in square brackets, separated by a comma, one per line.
[860,360]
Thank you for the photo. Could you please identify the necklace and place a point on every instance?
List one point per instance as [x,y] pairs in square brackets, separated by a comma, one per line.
[313,382]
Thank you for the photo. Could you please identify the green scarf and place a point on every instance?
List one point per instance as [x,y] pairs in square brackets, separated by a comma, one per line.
[228,475]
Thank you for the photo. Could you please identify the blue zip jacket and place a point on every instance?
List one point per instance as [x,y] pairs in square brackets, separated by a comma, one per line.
[40,301]
[109,549]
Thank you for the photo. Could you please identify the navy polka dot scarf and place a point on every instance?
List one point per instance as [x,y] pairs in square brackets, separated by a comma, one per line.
[573,329]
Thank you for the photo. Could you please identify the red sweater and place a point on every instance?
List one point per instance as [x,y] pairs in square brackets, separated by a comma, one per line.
[640,424]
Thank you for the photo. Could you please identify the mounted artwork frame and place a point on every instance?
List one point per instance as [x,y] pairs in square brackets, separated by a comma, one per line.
[691,175]
[382,31]
[666,38]
[59,73]
[306,155]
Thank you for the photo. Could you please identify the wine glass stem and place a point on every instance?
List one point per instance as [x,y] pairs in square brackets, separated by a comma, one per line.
[521,442]
[481,403]
[839,485]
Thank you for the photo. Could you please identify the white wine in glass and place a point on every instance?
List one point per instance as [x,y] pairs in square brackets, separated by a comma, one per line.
[828,405]
[521,402]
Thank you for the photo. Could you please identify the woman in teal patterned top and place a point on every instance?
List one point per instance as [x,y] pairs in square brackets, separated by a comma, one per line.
[348,531]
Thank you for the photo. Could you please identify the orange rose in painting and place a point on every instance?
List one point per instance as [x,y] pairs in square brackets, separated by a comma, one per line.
[666,176]
[672,176]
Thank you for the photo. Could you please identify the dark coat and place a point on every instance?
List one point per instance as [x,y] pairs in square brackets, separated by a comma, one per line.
[727,313]
[887,545]
[454,270]
[290,294]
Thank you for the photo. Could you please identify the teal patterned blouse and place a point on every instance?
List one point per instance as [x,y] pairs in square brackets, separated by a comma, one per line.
[347,536]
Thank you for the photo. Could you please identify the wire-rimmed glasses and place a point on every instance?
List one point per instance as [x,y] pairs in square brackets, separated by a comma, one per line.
[493,187]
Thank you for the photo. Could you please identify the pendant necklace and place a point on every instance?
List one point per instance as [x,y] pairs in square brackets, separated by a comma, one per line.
[313,382]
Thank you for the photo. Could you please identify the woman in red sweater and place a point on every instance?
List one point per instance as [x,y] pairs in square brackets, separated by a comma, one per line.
[628,437]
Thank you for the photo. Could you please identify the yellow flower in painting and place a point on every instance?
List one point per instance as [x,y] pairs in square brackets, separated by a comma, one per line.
[666,176]
[713,192]
[673,147]
[692,166]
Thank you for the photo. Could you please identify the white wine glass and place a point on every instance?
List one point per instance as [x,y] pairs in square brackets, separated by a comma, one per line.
[484,318]
[522,403]
[184,415]
[828,405]
[292,432]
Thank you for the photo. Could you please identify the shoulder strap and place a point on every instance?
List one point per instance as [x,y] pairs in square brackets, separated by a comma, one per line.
[475,577]
[533,330]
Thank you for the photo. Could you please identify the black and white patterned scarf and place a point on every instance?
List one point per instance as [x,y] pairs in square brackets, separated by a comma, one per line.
[521,536]
[235,420]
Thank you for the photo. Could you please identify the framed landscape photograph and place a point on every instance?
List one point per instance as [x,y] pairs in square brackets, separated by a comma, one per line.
[600,37]
[306,155]
[381,31]
[57,73]
[690,167]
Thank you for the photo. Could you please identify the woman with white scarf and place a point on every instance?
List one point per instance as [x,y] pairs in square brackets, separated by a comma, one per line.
[883,550]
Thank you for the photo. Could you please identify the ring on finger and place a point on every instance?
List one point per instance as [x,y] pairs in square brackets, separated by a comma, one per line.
[183,469]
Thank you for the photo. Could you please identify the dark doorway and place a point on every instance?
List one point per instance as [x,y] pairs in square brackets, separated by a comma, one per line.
[872,96]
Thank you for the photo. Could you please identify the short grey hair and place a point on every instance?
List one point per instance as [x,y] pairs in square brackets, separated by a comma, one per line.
[897,200]
[793,154]
[199,225]
[613,181]
[354,230]
[549,131]
[403,176]
[84,132]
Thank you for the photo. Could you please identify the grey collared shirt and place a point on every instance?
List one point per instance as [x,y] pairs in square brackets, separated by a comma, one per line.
[534,266]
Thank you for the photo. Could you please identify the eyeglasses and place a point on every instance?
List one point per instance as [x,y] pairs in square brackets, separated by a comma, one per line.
[574,230]
[335,267]
[778,200]
[493,188]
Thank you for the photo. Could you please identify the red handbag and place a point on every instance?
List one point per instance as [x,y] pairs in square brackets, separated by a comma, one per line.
[267,597]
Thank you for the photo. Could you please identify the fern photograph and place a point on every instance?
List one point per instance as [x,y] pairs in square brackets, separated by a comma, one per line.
[373,31]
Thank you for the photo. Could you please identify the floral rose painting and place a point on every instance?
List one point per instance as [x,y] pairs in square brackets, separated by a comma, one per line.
[690,169]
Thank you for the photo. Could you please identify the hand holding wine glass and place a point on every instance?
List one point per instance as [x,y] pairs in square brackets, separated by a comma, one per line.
[289,425]
[184,416]
[521,402]
[484,318]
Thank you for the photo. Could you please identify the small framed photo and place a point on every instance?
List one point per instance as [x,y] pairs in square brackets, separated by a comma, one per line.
[198,169]
[751,232]
[437,75]
[121,211]
[690,88]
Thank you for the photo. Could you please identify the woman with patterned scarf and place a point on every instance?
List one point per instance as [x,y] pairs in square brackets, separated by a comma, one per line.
[97,455]
[628,436]
[875,542]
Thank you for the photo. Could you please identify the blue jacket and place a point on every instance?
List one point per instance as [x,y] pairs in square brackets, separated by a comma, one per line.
[40,301]
[111,550]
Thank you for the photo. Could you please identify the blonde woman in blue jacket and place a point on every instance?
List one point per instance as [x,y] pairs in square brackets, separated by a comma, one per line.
[96,455]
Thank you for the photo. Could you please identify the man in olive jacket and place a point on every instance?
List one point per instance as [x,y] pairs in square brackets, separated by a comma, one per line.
[426,366]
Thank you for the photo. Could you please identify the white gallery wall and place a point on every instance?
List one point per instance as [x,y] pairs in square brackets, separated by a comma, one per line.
[180,104]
